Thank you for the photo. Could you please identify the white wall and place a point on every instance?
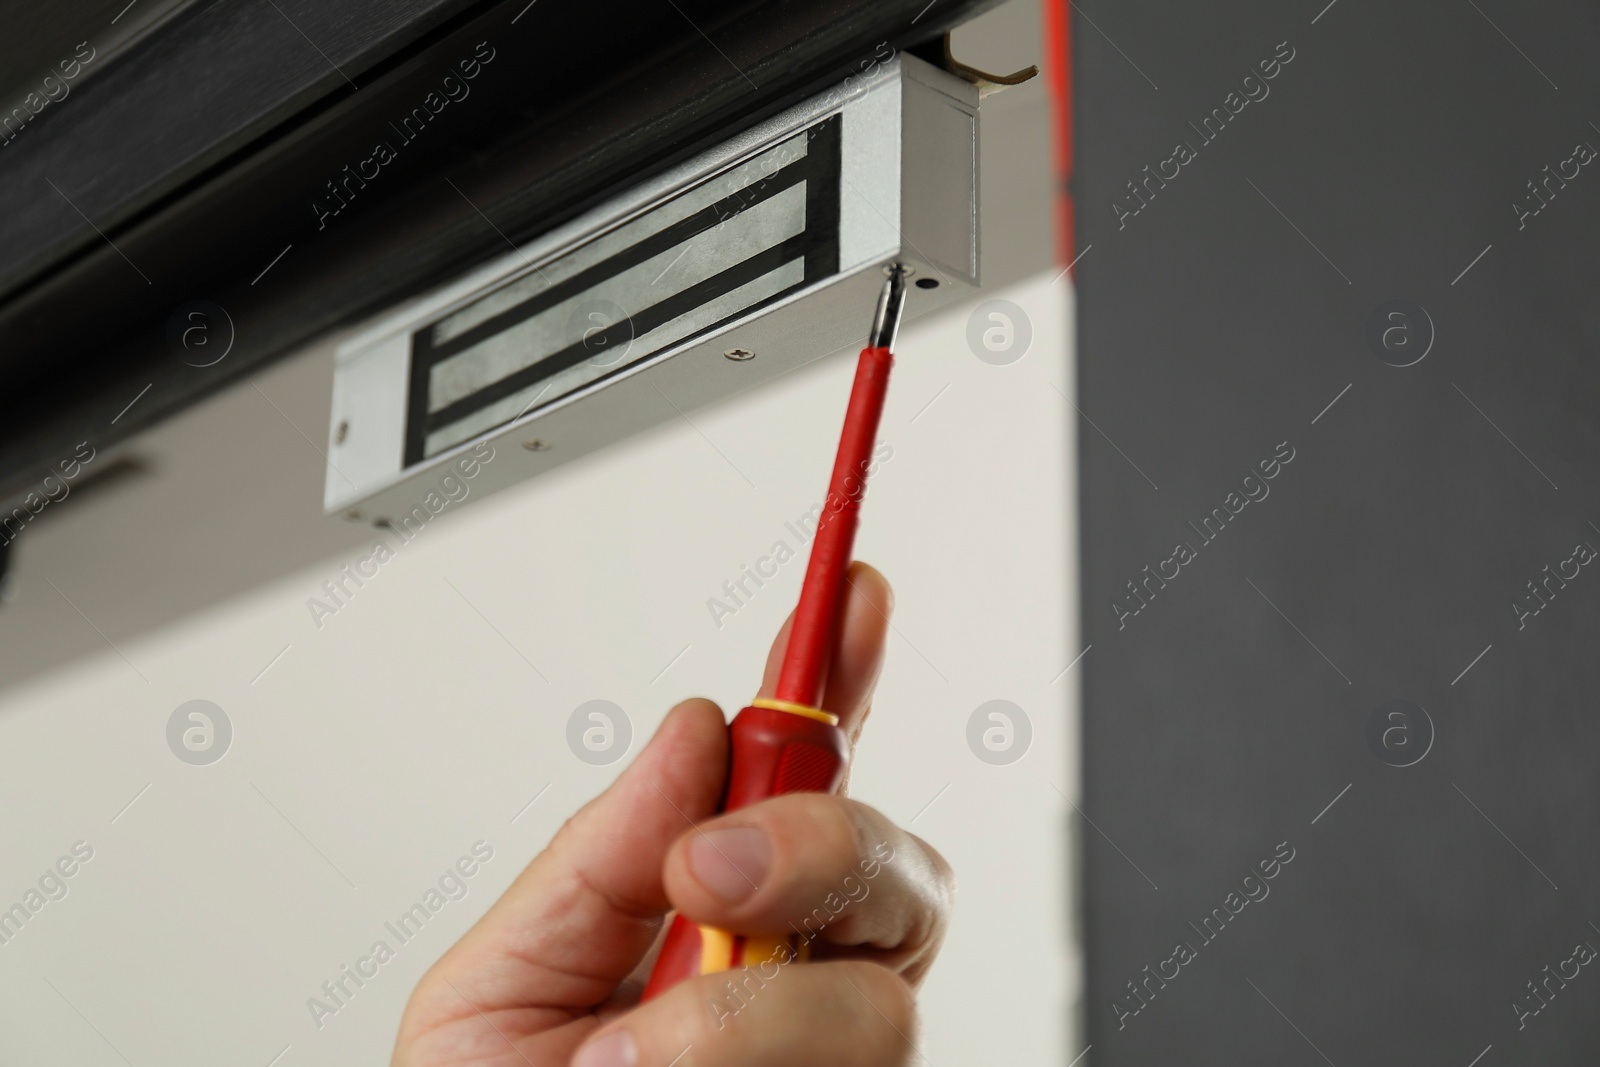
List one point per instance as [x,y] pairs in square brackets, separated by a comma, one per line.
[382,745]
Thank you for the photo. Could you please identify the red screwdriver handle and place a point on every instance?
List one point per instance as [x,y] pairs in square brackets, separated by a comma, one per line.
[776,752]
[773,752]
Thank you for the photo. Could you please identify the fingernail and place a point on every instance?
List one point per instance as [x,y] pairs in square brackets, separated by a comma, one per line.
[614,1050]
[731,863]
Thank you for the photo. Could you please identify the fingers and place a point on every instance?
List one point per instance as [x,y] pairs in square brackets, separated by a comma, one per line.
[586,910]
[844,1014]
[858,659]
[863,635]
[832,870]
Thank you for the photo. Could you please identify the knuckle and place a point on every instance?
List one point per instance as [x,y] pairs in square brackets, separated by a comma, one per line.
[916,864]
[943,876]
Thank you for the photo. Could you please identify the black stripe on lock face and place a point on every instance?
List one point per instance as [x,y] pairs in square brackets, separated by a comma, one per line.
[718,251]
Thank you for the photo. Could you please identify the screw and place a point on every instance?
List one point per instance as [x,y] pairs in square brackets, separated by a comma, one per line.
[536,444]
[354,515]
[342,432]
[739,355]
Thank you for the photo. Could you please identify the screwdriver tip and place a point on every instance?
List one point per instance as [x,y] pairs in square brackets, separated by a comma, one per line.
[891,303]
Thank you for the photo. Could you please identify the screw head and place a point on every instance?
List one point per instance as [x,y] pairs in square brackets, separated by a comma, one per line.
[536,444]
[354,515]
[739,355]
[342,432]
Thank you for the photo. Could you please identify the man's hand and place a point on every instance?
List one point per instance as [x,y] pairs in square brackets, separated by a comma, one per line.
[551,975]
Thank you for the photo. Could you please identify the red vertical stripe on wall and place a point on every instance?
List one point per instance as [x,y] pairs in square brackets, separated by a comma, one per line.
[1057,16]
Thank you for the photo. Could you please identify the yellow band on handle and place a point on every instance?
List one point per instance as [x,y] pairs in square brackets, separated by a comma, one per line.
[777,949]
[796,709]
[716,950]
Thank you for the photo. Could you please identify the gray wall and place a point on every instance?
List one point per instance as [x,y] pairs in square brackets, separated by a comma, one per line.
[1225,716]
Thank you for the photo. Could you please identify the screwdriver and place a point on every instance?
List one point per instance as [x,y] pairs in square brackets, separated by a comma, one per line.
[788,743]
